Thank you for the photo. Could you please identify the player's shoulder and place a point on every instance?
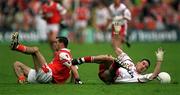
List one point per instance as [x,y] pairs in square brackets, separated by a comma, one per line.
[64,53]
[111,6]
[64,50]
[122,5]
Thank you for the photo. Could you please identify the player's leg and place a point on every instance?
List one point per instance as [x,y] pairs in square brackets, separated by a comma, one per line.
[39,60]
[53,30]
[42,71]
[21,71]
[104,73]
[116,36]
[116,41]
[15,45]
[107,72]
[124,36]
[51,38]
[106,59]
[93,59]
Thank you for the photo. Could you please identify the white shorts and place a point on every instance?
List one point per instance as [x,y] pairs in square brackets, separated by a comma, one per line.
[52,28]
[80,24]
[40,76]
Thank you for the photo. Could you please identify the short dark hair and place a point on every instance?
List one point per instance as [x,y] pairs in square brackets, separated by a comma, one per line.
[147,61]
[63,40]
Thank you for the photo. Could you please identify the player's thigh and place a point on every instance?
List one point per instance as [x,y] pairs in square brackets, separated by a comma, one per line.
[24,67]
[39,60]
[105,76]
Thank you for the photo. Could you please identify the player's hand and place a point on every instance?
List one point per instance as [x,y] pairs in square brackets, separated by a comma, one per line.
[160,54]
[78,81]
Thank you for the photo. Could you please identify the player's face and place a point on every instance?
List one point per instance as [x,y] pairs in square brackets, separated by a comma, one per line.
[142,66]
[57,45]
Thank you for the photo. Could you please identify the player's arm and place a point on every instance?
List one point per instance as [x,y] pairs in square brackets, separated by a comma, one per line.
[127,14]
[61,9]
[75,74]
[159,57]
[151,76]
[63,13]
[67,62]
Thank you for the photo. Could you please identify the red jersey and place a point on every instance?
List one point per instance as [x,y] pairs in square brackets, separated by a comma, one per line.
[82,13]
[59,65]
[53,12]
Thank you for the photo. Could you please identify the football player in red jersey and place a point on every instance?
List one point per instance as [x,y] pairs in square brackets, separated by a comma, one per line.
[53,13]
[57,71]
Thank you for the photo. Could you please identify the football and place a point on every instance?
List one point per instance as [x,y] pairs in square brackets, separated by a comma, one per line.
[164,77]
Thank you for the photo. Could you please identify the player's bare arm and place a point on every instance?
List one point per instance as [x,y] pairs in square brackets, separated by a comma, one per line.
[159,56]
[75,74]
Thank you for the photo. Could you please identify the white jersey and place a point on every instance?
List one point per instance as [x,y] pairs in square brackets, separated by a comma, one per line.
[122,10]
[120,17]
[127,73]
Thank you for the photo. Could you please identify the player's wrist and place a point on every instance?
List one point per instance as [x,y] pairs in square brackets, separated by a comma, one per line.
[78,81]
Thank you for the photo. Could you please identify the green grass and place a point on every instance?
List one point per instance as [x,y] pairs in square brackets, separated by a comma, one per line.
[88,72]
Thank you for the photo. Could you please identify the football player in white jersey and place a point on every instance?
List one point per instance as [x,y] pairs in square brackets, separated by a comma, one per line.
[122,69]
[120,17]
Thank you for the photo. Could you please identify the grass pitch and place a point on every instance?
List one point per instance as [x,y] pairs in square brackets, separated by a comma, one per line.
[88,72]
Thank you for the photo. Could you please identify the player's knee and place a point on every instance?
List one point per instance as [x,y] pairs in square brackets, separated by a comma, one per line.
[16,64]
[36,49]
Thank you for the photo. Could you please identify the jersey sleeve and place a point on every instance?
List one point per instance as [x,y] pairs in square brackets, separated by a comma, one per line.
[125,61]
[127,80]
[127,14]
[61,9]
[145,78]
[140,79]
[65,58]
